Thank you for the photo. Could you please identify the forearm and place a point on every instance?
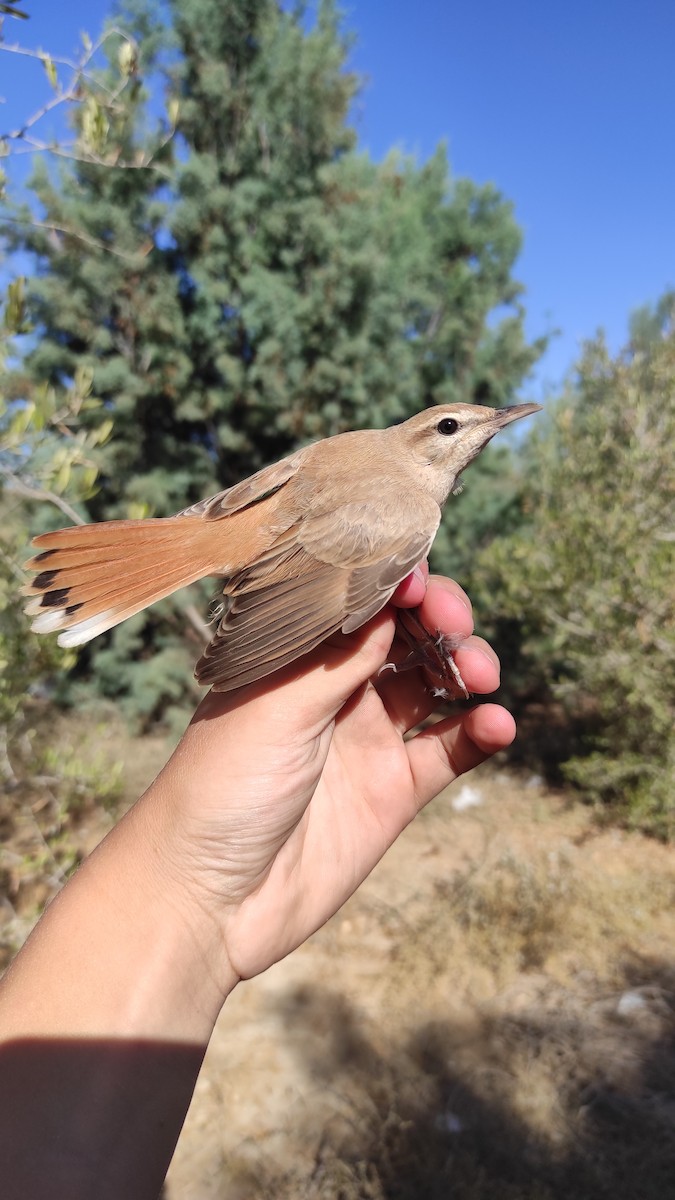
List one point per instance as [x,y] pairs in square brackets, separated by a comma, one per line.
[277,803]
[104,1020]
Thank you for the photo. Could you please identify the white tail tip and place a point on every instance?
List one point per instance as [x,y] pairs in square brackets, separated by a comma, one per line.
[83,631]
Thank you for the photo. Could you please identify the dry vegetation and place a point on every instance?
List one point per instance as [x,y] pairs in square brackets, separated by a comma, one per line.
[63,783]
[492,1017]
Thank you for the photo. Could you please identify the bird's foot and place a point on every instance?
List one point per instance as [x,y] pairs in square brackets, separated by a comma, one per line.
[433,654]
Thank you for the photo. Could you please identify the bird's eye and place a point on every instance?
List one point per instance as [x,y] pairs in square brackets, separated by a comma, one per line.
[448,426]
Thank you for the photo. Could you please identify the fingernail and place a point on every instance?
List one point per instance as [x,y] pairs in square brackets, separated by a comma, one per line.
[465,601]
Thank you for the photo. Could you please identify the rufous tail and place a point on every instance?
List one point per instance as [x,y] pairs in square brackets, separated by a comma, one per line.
[91,577]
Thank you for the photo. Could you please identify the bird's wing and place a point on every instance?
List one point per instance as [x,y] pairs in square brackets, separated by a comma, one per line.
[277,611]
[379,549]
[250,491]
[306,587]
[370,587]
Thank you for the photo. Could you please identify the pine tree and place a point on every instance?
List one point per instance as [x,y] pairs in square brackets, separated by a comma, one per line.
[259,283]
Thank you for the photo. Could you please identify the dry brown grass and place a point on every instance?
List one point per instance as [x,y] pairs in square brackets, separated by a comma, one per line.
[492,1017]
[67,780]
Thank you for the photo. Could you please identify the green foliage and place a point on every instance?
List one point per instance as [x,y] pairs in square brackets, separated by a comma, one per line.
[44,453]
[591,576]
[157,677]
[78,775]
[24,659]
[47,782]
[255,283]
[489,505]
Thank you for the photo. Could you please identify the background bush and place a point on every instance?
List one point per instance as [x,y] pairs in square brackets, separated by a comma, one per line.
[588,580]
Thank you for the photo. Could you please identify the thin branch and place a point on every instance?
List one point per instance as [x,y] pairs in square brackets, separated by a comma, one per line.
[41,55]
[14,134]
[197,623]
[73,94]
[433,324]
[83,237]
[6,769]
[145,163]
[11,566]
[79,69]
[14,484]
[584,631]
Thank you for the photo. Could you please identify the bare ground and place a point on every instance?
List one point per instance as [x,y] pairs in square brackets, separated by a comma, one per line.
[491,1017]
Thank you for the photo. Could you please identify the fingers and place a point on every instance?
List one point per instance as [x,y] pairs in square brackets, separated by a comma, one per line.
[409,699]
[445,608]
[427,591]
[410,591]
[478,665]
[313,689]
[440,754]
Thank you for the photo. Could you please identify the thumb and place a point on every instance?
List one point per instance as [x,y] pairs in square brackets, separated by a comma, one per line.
[311,691]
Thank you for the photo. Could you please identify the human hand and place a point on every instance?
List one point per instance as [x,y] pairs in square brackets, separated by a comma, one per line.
[282,797]
[279,800]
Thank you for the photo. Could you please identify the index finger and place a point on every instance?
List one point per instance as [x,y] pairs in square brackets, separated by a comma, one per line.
[446,608]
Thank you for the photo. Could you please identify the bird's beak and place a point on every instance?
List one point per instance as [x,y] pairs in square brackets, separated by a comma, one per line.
[504,416]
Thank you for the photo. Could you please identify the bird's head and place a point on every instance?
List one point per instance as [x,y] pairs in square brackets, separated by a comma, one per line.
[447,438]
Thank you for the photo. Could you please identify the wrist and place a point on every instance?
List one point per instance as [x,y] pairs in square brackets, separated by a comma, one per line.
[118,954]
[183,973]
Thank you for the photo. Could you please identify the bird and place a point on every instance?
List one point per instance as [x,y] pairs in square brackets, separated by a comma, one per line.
[311,545]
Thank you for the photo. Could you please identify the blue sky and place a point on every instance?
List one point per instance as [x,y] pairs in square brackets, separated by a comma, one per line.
[568,108]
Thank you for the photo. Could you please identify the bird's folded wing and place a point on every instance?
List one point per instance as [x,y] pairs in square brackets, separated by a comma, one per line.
[379,549]
[269,623]
[250,491]
[291,599]
[372,586]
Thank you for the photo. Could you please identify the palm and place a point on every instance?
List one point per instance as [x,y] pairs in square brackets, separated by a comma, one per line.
[334,783]
[361,795]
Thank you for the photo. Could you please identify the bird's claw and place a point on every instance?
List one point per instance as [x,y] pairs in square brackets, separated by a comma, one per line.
[433,654]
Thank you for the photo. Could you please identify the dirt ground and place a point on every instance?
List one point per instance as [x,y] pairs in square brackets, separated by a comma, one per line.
[491,1017]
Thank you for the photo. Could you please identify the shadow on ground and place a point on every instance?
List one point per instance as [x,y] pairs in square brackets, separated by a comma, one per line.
[540,1106]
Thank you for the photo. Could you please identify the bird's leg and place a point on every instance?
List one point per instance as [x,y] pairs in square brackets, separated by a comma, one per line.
[433,654]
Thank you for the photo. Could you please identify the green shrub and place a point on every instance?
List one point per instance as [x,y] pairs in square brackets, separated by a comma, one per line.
[589,580]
